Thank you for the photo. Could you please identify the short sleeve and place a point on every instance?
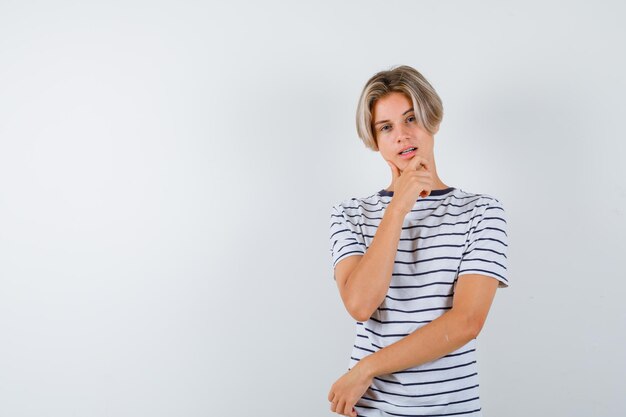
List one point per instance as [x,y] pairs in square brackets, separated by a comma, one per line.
[487,244]
[345,239]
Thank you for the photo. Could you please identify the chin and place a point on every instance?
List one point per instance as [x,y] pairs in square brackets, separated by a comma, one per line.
[405,163]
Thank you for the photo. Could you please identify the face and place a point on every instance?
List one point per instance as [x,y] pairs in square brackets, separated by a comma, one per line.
[396,130]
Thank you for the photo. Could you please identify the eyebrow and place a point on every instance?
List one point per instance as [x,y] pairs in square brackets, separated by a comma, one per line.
[385,121]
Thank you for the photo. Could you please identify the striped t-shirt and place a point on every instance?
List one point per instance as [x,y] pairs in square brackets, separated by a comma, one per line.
[447,234]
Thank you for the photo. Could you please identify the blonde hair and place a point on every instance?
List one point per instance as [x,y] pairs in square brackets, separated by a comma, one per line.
[404,79]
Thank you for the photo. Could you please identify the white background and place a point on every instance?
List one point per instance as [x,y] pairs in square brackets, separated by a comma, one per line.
[167,171]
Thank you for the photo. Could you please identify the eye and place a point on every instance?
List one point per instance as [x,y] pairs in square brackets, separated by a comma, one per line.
[410,119]
[384,128]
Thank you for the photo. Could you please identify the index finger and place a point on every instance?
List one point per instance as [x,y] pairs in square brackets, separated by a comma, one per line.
[417,162]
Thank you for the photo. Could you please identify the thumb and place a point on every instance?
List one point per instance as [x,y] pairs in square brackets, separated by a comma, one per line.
[395,171]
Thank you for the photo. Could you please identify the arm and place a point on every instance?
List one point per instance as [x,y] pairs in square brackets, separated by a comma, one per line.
[472,299]
[363,280]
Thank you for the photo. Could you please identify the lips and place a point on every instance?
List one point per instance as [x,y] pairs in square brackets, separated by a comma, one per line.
[408,147]
[409,154]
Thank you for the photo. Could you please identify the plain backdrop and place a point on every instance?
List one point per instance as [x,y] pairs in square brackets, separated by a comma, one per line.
[167,170]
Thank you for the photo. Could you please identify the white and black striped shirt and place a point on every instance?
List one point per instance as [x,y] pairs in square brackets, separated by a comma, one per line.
[448,234]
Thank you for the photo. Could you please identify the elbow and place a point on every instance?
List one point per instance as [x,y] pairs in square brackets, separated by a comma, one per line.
[473,330]
[359,312]
[474,325]
[470,325]
[359,304]
[361,315]
[359,308]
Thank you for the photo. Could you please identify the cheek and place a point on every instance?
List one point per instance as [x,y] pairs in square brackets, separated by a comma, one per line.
[388,154]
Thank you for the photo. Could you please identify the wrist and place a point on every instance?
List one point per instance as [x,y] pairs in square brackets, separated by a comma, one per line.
[395,211]
[367,365]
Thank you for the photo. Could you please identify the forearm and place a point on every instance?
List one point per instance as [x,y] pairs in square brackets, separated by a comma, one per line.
[369,282]
[443,335]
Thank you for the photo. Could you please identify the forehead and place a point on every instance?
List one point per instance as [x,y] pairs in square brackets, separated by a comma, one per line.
[391,105]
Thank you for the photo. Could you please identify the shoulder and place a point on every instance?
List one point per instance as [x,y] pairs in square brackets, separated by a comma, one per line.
[356,205]
[478,200]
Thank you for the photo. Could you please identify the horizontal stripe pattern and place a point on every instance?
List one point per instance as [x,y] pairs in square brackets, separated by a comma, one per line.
[449,234]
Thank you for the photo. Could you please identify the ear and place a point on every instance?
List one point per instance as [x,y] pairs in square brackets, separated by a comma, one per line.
[436,129]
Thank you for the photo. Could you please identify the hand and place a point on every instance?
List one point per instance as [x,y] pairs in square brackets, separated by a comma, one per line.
[347,390]
[415,181]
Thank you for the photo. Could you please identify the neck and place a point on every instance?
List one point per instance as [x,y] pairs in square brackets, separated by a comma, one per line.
[437,183]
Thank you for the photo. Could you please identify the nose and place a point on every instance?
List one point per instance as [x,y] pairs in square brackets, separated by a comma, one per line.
[402,133]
